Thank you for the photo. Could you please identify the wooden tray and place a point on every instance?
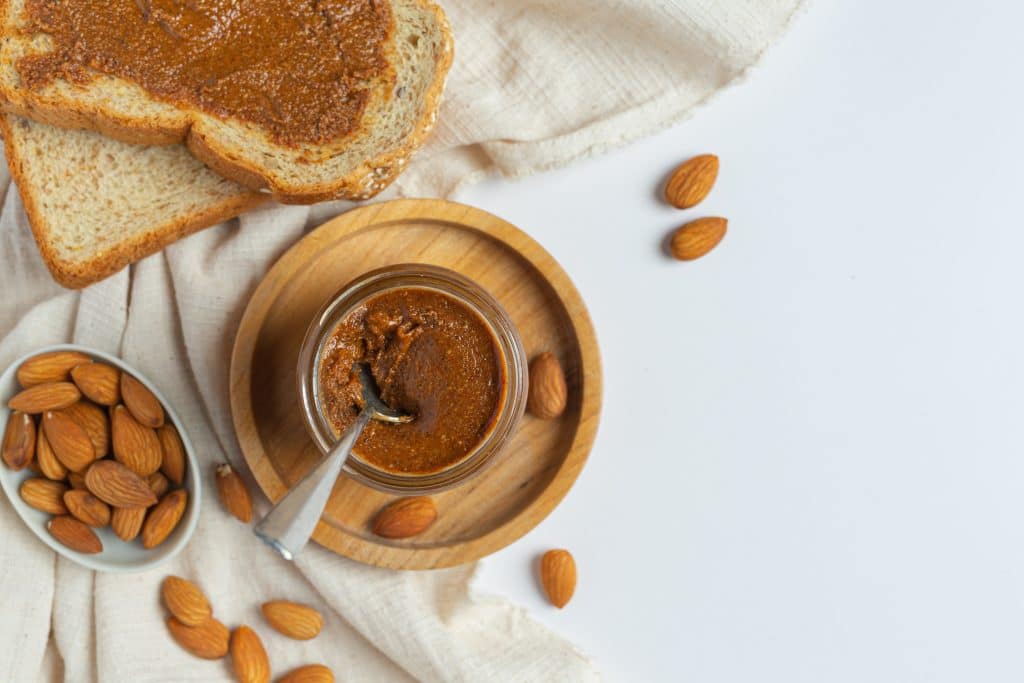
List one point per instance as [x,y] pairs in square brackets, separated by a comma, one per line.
[537,468]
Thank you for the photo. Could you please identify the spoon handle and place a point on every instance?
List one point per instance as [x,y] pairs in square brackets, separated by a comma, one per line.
[290,523]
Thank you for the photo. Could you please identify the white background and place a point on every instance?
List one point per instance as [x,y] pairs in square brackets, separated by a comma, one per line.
[810,463]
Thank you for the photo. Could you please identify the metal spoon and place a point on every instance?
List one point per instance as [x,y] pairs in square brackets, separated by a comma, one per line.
[290,523]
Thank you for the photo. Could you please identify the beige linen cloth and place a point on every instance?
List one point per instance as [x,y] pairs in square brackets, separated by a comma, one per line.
[536,84]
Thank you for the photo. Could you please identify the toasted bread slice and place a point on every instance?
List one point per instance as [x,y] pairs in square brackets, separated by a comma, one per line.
[398,115]
[96,205]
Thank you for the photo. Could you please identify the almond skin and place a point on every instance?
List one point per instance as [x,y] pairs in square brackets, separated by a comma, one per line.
[405,517]
[558,576]
[691,182]
[135,446]
[95,422]
[141,402]
[44,397]
[163,518]
[158,484]
[173,463]
[697,238]
[185,601]
[70,443]
[99,382]
[126,523]
[45,495]
[19,445]
[293,619]
[116,485]
[74,534]
[234,494]
[87,508]
[49,465]
[311,673]
[249,657]
[49,367]
[208,640]
[548,392]
[77,481]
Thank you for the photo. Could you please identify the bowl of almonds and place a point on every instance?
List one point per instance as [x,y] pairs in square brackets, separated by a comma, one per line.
[95,461]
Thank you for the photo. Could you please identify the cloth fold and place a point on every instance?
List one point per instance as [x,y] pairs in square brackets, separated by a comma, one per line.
[536,84]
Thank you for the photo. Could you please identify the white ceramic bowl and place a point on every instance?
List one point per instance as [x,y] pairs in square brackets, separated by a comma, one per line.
[117,556]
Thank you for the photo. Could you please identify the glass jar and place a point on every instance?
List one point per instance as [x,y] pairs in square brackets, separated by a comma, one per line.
[512,357]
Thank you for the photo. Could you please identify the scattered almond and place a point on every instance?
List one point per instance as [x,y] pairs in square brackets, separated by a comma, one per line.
[49,466]
[95,422]
[234,494]
[185,601]
[45,495]
[173,464]
[87,508]
[43,397]
[208,640]
[548,393]
[158,484]
[405,517]
[691,182]
[116,485]
[249,657]
[141,402]
[69,441]
[54,366]
[163,518]
[697,238]
[74,534]
[126,523]
[19,441]
[311,673]
[99,382]
[293,619]
[135,446]
[558,576]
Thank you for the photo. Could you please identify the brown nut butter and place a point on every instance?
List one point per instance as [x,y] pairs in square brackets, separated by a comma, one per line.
[432,357]
[296,68]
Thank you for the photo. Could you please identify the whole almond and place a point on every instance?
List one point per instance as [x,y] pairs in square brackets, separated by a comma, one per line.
[691,182]
[49,465]
[74,534]
[44,494]
[293,619]
[95,422]
[141,402]
[126,523]
[697,238]
[54,366]
[77,481]
[87,508]
[43,397]
[116,485]
[158,484]
[208,640]
[405,517]
[234,494]
[558,576]
[173,464]
[548,392]
[185,600]
[135,446]
[163,518]
[99,382]
[249,657]
[69,441]
[19,445]
[311,673]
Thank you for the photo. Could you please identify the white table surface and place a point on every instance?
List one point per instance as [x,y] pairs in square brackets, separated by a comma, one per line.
[810,462]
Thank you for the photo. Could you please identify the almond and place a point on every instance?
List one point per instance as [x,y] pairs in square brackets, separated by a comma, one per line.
[141,402]
[293,619]
[691,182]
[311,673]
[99,382]
[49,465]
[126,523]
[185,601]
[158,484]
[43,397]
[87,508]
[135,446]
[54,366]
[163,518]
[45,495]
[548,392]
[173,464]
[19,441]
[70,443]
[77,481]
[558,576]
[405,517]
[208,640]
[697,238]
[249,657]
[116,485]
[234,494]
[74,534]
[95,422]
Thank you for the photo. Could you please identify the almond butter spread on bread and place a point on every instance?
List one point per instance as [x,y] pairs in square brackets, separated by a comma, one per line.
[298,69]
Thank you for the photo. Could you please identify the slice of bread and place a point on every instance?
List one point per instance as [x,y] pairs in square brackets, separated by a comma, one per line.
[398,115]
[96,205]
